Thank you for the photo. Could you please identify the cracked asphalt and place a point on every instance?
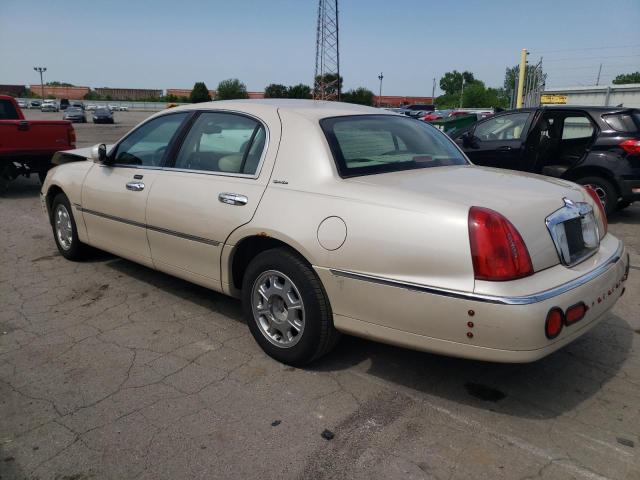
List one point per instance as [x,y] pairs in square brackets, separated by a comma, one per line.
[110,370]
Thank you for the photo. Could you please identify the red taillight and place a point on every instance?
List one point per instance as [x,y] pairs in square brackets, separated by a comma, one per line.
[575,313]
[631,146]
[71,136]
[594,196]
[497,249]
[553,325]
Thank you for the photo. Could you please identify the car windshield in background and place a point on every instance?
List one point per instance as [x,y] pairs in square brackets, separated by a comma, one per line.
[370,144]
[102,111]
[624,122]
[74,110]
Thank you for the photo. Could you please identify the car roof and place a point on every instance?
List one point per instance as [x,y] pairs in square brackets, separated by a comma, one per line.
[588,108]
[311,109]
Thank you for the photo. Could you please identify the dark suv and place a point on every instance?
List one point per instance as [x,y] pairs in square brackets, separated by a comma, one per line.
[597,146]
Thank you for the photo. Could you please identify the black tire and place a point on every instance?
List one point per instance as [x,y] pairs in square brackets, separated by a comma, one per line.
[76,250]
[606,191]
[319,335]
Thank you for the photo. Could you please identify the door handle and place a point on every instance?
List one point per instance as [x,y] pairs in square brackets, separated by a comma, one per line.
[23,125]
[233,199]
[135,186]
[505,148]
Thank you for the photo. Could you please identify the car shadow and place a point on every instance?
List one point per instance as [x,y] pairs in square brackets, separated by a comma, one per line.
[546,388]
[627,216]
[21,187]
[543,389]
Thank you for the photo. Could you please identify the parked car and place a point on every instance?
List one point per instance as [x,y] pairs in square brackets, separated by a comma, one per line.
[327,218]
[103,115]
[436,115]
[49,106]
[124,108]
[113,108]
[91,107]
[596,146]
[26,146]
[35,104]
[22,103]
[76,105]
[64,103]
[75,115]
[418,110]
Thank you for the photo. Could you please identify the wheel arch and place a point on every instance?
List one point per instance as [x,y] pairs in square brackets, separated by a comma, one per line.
[52,191]
[248,248]
[575,174]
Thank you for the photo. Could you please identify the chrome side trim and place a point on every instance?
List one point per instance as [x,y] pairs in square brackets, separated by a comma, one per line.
[478,297]
[166,231]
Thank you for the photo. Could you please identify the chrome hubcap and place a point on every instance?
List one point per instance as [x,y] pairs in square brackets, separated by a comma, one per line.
[64,230]
[278,309]
[602,194]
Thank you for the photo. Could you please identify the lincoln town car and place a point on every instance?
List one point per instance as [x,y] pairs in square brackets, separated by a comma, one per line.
[328,218]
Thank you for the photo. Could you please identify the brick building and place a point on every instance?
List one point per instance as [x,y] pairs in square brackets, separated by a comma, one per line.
[72,93]
[13,90]
[397,101]
[128,93]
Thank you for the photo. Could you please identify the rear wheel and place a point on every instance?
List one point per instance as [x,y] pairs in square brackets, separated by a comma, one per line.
[65,232]
[606,192]
[287,309]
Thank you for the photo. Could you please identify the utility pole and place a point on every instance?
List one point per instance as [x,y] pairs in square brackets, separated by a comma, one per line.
[41,70]
[523,68]
[462,92]
[599,72]
[380,77]
[433,91]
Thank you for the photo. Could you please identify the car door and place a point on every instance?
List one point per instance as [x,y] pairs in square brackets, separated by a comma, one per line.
[498,141]
[114,194]
[211,185]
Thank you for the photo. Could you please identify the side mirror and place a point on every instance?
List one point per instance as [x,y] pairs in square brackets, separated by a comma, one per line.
[99,153]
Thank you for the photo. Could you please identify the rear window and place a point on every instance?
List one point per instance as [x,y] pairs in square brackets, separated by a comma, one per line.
[370,144]
[624,122]
[8,111]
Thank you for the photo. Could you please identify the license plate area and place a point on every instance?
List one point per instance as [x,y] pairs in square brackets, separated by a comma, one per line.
[574,231]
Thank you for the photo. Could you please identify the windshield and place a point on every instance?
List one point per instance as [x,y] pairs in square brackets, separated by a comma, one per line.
[103,111]
[369,144]
[73,110]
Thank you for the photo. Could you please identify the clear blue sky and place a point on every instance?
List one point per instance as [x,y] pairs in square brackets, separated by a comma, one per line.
[171,44]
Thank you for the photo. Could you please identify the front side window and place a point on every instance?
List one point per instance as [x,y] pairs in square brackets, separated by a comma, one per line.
[369,144]
[222,142]
[146,145]
[504,127]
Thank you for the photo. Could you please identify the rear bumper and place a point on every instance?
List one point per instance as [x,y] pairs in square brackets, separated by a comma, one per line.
[483,327]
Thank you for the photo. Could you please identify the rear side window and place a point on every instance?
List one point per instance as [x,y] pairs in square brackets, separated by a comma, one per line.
[8,111]
[577,127]
[624,122]
[370,144]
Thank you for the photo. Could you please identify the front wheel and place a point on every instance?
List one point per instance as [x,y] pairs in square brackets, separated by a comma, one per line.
[65,232]
[287,309]
[606,192]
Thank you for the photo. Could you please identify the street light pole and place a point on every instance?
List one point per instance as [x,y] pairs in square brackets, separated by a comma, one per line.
[41,70]
[380,77]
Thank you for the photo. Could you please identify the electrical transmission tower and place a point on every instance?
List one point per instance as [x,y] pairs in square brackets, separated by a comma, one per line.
[327,78]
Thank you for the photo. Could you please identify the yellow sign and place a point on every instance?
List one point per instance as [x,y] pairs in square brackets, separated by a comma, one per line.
[548,99]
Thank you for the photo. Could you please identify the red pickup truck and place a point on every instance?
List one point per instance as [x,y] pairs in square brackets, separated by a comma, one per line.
[26,146]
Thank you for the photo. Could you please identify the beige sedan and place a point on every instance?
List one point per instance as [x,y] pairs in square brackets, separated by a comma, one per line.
[329,217]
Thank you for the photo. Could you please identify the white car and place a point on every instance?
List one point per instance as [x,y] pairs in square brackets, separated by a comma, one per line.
[23,104]
[123,108]
[326,217]
[91,107]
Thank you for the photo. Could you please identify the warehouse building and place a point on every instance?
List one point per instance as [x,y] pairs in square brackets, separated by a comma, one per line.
[128,93]
[597,95]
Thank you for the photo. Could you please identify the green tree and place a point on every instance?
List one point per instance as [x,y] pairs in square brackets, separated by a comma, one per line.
[276,90]
[199,93]
[451,82]
[299,91]
[231,89]
[361,96]
[511,75]
[332,80]
[59,84]
[627,78]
